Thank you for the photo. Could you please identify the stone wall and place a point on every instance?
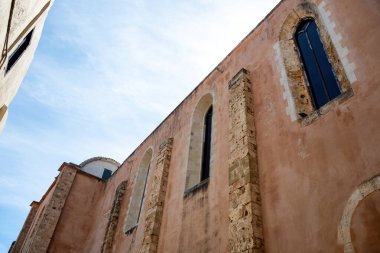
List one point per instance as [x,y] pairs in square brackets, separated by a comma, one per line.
[113,218]
[245,229]
[40,240]
[307,173]
[25,228]
[157,199]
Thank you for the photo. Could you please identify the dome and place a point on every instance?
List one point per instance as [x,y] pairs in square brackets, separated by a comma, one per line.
[100,167]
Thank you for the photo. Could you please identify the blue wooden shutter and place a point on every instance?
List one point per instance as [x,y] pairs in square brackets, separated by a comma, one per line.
[319,71]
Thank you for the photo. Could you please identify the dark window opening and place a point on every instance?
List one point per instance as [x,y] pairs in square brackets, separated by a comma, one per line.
[106,174]
[19,50]
[323,84]
[206,154]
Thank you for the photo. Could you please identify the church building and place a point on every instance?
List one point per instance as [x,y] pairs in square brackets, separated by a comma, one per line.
[277,150]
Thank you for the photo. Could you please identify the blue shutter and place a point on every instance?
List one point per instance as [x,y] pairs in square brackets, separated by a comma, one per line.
[319,71]
[106,174]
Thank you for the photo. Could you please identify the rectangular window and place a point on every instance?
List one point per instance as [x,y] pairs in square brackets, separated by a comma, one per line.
[19,51]
[106,174]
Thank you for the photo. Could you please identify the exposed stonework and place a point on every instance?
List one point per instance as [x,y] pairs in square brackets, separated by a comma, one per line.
[245,229]
[156,202]
[25,228]
[296,79]
[344,229]
[44,230]
[307,174]
[336,38]
[287,94]
[113,218]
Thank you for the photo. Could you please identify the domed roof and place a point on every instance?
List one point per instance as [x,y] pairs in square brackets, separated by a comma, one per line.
[99,158]
[100,167]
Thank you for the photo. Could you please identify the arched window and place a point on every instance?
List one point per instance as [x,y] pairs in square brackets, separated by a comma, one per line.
[319,72]
[138,193]
[312,64]
[200,150]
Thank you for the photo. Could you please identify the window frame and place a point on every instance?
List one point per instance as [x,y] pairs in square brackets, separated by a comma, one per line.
[305,111]
[311,86]
[107,173]
[195,168]
[19,51]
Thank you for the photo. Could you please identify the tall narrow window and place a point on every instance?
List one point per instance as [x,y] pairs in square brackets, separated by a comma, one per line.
[137,199]
[19,50]
[206,154]
[200,148]
[319,72]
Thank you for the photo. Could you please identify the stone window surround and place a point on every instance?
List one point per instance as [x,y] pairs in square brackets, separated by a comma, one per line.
[299,88]
[136,203]
[193,169]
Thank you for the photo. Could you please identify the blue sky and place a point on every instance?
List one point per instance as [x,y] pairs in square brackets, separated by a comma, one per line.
[105,74]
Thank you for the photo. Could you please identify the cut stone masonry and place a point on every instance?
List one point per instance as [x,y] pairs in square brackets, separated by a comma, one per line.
[245,228]
[336,38]
[25,228]
[44,231]
[113,218]
[156,202]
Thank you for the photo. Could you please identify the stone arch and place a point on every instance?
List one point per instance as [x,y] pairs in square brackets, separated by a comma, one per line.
[113,218]
[193,174]
[136,201]
[295,75]
[344,228]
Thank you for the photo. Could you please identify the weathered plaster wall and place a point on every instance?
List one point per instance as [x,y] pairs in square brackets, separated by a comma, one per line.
[365,232]
[78,217]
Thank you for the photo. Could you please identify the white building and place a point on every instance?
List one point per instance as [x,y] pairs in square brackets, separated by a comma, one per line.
[21,23]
